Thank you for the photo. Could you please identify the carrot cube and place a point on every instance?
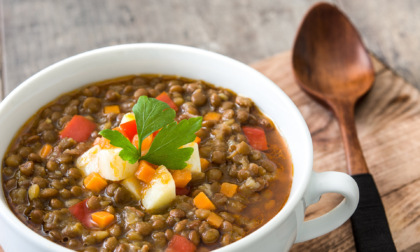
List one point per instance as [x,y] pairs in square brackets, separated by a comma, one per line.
[145,172]
[95,182]
[102,218]
[135,141]
[145,145]
[212,116]
[203,202]
[228,189]
[45,150]
[112,109]
[197,140]
[214,220]
[204,164]
[147,142]
[181,177]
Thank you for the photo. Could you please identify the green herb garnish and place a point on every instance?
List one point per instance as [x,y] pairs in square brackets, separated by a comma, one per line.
[151,115]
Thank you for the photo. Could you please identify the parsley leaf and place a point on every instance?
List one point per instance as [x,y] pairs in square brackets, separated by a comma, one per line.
[165,149]
[129,152]
[151,115]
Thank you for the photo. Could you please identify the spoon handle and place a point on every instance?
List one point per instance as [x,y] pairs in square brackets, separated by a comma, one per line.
[356,163]
[369,223]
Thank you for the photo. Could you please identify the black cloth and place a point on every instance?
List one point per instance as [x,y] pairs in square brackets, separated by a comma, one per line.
[370,226]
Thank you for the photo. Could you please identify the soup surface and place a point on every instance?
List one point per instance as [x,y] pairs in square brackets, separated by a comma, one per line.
[69,184]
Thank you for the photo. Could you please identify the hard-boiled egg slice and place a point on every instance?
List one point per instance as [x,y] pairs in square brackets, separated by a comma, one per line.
[106,162]
[193,164]
[160,192]
[156,194]
[127,117]
[112,167]
[88,161]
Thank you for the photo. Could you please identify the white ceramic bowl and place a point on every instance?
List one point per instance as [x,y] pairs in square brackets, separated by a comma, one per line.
[279,233]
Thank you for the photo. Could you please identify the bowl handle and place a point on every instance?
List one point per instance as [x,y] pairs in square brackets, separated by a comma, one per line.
[328,182]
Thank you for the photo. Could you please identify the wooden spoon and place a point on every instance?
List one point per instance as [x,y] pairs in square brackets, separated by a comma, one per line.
[332,65]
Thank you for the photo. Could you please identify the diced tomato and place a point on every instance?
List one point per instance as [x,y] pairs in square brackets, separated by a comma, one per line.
[165,98]
[182,191]
[256,137]
[81,212]
[79,128]
[130,129]
[180,244]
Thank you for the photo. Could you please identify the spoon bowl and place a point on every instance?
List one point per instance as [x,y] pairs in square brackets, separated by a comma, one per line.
[329,58]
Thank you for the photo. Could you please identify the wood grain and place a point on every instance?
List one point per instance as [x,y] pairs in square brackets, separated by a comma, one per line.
[387,120]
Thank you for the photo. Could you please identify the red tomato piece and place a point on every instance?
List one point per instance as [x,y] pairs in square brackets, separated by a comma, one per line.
[256,137]
[165,98]
[180,244]
[130,129]
[182,191]
[81,212]
[79,128]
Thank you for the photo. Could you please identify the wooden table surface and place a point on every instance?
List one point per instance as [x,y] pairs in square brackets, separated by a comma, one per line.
[37,33]
[387,120]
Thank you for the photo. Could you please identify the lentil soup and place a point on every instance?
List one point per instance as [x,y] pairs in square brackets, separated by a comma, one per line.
[237,178]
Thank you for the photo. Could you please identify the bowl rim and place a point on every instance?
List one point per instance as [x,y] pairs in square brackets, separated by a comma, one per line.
[287,209]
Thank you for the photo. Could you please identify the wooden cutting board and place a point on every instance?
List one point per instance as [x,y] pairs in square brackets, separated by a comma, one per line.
[388,123]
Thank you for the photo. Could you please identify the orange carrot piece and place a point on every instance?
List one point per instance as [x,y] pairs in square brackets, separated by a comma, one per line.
[147,142]
[228,189]
[135,141]
[45,150]
[102,218]
[204,164]
[112,109]
[197,140]
[203,202]
[95,182]
[215,220]
[103,143]
[212,116]
[145,145]
[145,172]
[181,177]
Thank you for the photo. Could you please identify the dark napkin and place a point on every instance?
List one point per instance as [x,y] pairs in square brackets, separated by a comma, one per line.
[370,226]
